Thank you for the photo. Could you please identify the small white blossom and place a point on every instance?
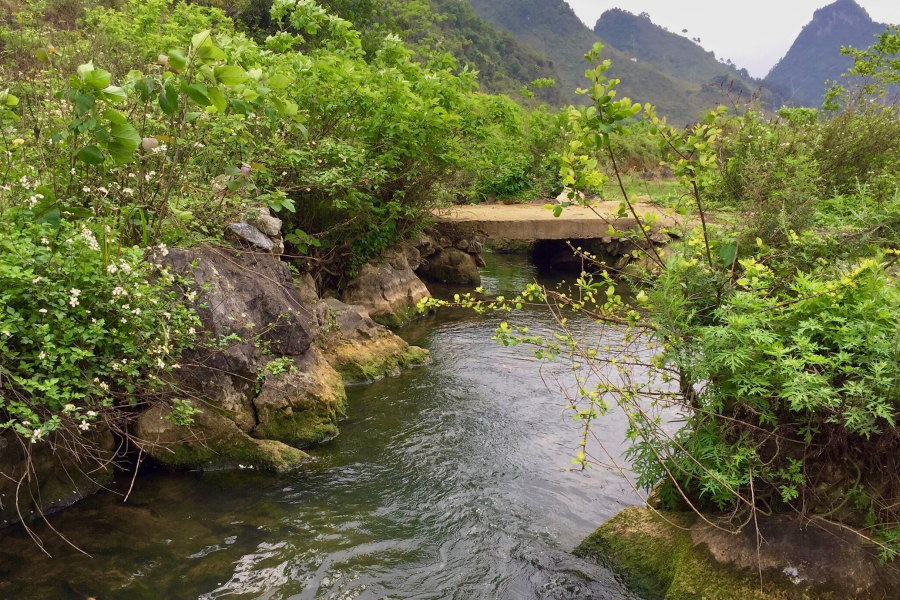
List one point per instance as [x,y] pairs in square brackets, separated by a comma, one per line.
[84,426]
[68,408]
[91,413]
[111,268]
[42,356]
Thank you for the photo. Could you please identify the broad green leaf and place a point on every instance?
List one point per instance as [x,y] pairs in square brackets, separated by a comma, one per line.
[177,60]
[91,155]
[230,75]
[210,53]
[115,94]
[97,78]
[125,140]
[279,81]
[42,55]
[217,98]
[198,93]
[204,38]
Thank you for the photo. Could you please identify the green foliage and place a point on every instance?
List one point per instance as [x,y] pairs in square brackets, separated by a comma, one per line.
[87,325]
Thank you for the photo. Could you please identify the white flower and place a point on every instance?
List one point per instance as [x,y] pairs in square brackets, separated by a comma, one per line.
[86,189]
[43,310]
[160,363]
[84,426]
[103,190]
[167,315]
[104,385]
[176,366]
[111,268]
[163,250]
[191,295]
[73,301]
[75,292]
[116,366]
[192,331]
[88,236]
[45,241]
[128,191]
[42,356]
[91,413]
[136,311]
[124,320]
[36,280]
[6,332]
[68,408]
[124,265]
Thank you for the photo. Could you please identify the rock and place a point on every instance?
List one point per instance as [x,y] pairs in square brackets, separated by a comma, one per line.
[268,382]
[451,266]
[277,245]
[360,349]
[462,245]
[388,289]
[479,261]
[213,441]
[262,220]
[56,477]
[682,557]
[426,245]
[306,288]
[244,232]
[300,407]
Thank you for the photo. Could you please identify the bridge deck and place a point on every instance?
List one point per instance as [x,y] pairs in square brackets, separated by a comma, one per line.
[534,222]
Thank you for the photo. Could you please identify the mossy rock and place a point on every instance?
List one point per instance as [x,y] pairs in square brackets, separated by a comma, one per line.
[678,556]
[371,360]
[212,442]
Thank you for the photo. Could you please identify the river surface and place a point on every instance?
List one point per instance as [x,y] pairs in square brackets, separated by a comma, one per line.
[448,482]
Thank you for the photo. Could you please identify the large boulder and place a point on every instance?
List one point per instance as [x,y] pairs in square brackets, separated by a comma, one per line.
[360,349]
[451,265]
[387,288]
[255,374]
[678,556]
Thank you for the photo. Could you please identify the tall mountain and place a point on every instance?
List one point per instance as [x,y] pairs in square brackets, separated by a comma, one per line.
[553,28]
[816,53]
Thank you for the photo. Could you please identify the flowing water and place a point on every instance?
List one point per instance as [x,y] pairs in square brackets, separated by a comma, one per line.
[449,481]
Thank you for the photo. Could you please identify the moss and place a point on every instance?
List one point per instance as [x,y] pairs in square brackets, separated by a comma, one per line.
[397,319]
[510,246]
[231,452]
[375,359]
[659,560]
[300,429]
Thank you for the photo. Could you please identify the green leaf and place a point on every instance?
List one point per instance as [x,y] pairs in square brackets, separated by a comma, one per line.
[198,93]
[727,253]
[217,98]
[125,140]
[210,53]
[177,60]
[204,38]
[114,116]
[91,155]
[42,55]
[97,78]
[557,211]
[230,75]
[279,81]
[114,94]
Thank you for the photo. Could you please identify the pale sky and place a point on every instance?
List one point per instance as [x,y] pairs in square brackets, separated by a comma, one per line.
[755,35]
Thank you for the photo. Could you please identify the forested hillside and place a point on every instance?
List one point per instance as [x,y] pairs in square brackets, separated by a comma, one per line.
[552,27]
[816,54]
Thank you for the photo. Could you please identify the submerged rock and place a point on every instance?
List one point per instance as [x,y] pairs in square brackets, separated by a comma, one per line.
[387,288]
[360,349]
[43,478]
[678,556]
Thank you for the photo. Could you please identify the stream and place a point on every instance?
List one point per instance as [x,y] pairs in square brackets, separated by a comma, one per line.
[448,482]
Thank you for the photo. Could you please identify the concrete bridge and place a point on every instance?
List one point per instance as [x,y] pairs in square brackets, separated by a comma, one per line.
[533,227]
[532,222]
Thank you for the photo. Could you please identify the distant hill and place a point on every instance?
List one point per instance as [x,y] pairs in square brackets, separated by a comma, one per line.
[816,53]
[552,28]
[638,36]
